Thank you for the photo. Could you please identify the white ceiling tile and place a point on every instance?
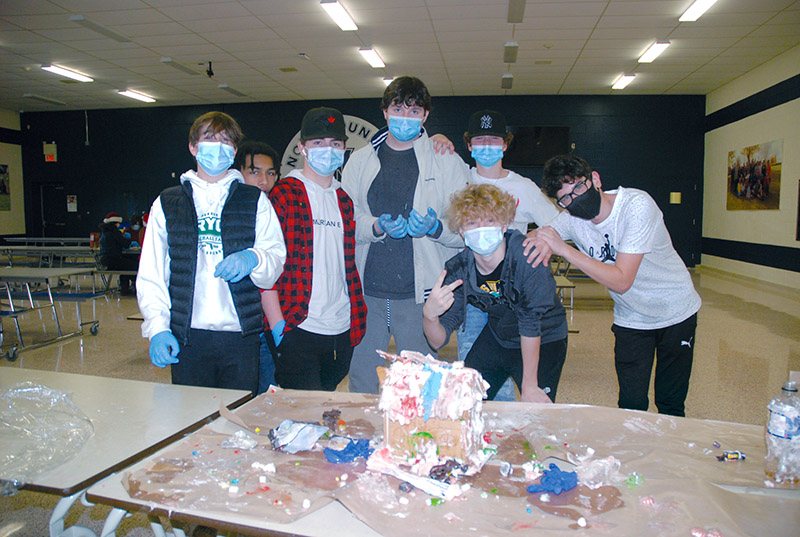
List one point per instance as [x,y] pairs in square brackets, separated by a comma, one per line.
[208,11]
[39,22]
[768,30]
[672,8]
[563,9]
[134,31]
[119,20]
[10,38]
[454,45]
[26,7]
[650,33]
[748,7]
[632,21]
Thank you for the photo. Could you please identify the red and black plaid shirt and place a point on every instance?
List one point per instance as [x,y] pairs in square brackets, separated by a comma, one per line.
[290,200]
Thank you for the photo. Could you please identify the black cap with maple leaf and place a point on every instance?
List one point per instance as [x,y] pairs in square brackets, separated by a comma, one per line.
[323,123]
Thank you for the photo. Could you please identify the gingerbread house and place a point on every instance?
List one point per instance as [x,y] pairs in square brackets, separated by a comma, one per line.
[432,413]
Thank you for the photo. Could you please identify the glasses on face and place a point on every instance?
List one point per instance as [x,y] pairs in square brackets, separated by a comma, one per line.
[579,188]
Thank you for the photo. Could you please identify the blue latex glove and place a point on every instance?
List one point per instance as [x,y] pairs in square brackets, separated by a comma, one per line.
[353,450]
[419,226]
[126,235]
[555,480]
[134,244]
[277,333]
[396,229]
[164,349]
[236,266]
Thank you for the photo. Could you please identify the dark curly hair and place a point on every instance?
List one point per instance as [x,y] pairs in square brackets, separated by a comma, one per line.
[252,148]
[407,90]
[563,169]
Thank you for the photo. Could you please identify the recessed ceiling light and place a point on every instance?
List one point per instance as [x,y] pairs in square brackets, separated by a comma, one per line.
[138,96]
[387,80]
[653,52]
[231,90]
[623,81]
[179,66]
[696,10]
[339,14]
[99,28]
[67,73]
[372,57]
[43,99]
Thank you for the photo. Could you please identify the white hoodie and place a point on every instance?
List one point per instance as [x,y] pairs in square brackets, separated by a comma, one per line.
[213,307]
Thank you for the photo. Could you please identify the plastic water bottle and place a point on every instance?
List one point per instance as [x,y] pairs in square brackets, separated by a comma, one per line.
[782,463]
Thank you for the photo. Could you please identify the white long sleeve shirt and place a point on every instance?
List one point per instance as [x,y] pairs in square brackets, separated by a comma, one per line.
[213,307]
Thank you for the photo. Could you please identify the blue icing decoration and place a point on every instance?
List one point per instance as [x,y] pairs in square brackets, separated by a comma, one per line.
[430,391]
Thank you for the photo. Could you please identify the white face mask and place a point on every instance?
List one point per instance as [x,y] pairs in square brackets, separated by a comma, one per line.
[484,240]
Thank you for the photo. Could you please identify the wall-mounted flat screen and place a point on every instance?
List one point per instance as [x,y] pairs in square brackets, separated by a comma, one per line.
[533,145]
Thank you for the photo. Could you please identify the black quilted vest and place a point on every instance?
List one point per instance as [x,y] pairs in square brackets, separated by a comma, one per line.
[238,227]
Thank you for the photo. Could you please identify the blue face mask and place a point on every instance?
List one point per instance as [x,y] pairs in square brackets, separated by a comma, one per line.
[484,240]
[487,155]
[325,160]
[405,129]
[214,157]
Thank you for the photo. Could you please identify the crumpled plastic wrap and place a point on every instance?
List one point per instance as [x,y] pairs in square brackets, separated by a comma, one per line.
[40,429]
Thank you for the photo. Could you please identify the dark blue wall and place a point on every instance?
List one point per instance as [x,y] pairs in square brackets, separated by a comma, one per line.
[650,142]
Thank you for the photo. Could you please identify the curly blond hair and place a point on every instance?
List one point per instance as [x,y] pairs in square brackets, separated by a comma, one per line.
[477,202]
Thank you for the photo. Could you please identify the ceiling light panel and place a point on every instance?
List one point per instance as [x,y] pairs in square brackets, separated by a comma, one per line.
[67,73]
[42,98]
[696,10]
[179,66]
[138,96]
[372,57]
[339,14]
[653,52]
[231,90]
[99,28]
[623,81]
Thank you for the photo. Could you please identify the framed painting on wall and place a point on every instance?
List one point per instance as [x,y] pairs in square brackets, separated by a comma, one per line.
[754,177]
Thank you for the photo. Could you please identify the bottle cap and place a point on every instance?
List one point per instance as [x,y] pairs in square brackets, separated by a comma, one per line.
[790,386]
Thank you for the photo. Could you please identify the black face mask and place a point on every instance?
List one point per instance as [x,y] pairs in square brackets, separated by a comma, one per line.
[587,205]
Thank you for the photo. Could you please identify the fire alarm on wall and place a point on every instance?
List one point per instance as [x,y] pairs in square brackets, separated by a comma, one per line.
[50,152]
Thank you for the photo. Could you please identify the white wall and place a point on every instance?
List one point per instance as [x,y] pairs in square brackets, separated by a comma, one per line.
[13,221]
[779,123]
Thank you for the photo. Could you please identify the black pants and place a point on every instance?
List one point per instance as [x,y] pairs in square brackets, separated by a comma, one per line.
[309,361]
[218,360]
[496,363]
[634,353]
[126,262]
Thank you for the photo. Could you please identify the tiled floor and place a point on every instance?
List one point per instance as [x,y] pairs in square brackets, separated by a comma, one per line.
[748,339]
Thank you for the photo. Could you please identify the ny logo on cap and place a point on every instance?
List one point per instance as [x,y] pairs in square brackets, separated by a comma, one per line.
[486,122]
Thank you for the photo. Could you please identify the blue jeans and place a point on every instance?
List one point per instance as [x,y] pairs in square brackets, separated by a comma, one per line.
[266,366]
[467,334]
